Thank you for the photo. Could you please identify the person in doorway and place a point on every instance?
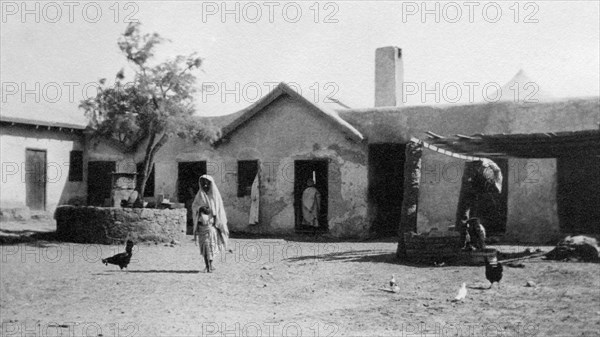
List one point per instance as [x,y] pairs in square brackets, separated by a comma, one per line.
[311,205]
[217,232]
[475,235]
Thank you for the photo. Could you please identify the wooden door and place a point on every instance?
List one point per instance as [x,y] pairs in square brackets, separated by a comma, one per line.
[35,179]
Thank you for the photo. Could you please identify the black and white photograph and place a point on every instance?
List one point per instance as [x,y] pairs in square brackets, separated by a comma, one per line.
[301,168]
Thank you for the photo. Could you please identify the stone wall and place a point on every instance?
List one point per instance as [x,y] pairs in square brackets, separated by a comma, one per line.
[111,225]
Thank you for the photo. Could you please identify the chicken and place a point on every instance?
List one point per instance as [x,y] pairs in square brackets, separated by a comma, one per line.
[462,293]
[393,285]
[121,259]
[493,271]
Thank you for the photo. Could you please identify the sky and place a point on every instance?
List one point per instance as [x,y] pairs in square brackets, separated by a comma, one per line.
[51,51]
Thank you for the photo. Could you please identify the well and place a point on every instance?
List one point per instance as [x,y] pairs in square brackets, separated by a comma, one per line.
[108,225]
[426,246]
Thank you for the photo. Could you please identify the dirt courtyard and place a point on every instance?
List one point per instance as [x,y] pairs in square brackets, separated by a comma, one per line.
[274,287]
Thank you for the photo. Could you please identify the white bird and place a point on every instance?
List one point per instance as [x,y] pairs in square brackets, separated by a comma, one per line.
[393,281]
[462,293]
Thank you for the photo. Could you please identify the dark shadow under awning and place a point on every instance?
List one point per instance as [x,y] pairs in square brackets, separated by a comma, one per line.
[532,145]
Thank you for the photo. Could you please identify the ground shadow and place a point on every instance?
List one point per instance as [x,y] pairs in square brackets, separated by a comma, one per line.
[309,237]
[381,256]
[517,255]
[478,288]
[156,271]
[371,256]
[37,239]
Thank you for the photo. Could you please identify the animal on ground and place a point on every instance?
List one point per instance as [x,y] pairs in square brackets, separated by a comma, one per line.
[493,271]
[393,281]
[462,293]
[121,259]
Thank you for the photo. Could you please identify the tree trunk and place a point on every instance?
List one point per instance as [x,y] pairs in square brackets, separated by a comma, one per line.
[151,151]
[410,200]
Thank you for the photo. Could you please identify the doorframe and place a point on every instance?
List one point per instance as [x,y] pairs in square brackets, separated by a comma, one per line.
[45,174]
[376,226]
[323,227]
[87,172]
[188,224]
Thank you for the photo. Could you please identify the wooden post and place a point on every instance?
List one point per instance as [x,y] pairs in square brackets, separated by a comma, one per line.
[412,179]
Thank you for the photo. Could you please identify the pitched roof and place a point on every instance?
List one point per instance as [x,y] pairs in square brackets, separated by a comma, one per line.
[248,113]
[521,88]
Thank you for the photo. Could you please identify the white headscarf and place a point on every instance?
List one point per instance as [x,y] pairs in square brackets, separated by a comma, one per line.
[213,200]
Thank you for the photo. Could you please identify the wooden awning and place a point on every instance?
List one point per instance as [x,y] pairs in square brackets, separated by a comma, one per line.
[532,145]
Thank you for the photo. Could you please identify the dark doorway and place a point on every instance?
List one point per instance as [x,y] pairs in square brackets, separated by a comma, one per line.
[99,181]
[386,181]
[188,174]
[35,179]
[491,207]
[578,195]
[311,169]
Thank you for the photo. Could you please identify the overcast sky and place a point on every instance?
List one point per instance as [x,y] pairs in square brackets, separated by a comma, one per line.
[324,48]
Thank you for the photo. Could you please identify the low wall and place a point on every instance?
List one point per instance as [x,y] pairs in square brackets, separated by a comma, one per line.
[15,214]
[111,225]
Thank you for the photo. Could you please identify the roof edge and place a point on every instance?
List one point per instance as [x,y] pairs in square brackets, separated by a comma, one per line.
[281,89]
[40,123]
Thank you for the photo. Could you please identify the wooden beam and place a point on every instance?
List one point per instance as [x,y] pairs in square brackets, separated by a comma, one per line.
[434,135]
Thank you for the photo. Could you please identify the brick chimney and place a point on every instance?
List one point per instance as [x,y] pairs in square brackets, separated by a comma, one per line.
[389,75]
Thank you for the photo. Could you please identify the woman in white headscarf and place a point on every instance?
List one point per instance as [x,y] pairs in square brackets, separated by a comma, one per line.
[212,228]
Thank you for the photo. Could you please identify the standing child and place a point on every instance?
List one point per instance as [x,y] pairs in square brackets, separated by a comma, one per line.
[207,233]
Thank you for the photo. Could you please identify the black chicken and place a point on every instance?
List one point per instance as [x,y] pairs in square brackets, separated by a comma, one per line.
[121,259]
[493,271]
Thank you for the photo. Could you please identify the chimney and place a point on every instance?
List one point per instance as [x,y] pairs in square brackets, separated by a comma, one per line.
[389,75]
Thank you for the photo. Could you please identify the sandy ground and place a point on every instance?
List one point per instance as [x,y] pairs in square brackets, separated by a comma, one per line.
[274,287]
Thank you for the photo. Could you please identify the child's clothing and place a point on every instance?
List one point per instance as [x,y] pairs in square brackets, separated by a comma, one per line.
[207,236]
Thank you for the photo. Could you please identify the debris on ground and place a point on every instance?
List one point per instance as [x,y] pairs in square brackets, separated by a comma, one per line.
[515,264]
[578,247]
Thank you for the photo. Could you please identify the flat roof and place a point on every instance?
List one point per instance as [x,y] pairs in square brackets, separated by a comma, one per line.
[523,145]
[48,124]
